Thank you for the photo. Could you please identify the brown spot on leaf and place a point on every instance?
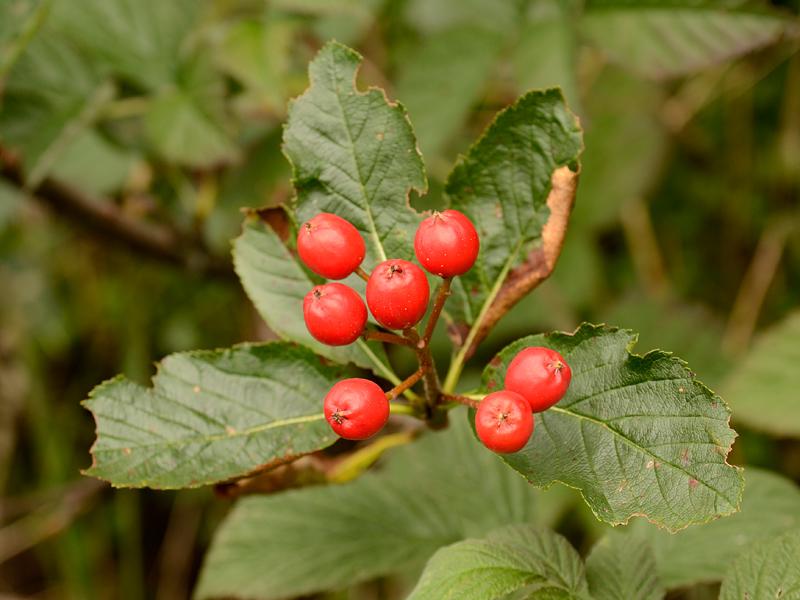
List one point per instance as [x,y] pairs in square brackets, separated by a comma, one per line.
[126,451]
[496,361]
[196,389]
[230,430]
[379,136]
[685,457]
[693,483]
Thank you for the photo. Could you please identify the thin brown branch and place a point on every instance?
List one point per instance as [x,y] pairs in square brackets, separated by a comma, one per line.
[441,297]
[389,338]
[362,273]
[460,400]
[393,393]
[435,418]
[540,262]
[103,218]
[644,249]
[48,521]
[754,287]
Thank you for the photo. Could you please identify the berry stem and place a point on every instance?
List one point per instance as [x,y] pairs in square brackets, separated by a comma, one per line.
[437,419]
[362,273]
[460,399]
[389,338]
[441,297]
[405,384]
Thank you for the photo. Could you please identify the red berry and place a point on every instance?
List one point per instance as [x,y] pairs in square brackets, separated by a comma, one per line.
[504,422]
[335,314]
[540,375]
[447,244]
[356,408]
[330,246]
[397,294]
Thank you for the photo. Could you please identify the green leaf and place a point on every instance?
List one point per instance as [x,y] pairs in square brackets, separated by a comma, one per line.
[139,40]
[20,20]
[620,566]
[211,416]
[442,78]
[277,284]
[502,185]
[94,164]
[679,37]
[186,123]
[770,506]
[769,570]
[434,16]
[507,560]
[625,146]
[544,55]
[638,435]
[51,97]
[428,494]
[257,53]
[694,333]
[763,389]
[354,154]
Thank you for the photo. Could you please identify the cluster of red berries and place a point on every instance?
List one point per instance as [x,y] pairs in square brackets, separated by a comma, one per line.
[536,379]
[446,244]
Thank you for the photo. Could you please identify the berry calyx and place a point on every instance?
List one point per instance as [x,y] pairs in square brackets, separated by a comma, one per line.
[446,244]
[540,375]
[334,314]
[356,409]
[398,294]
[504,422]
[330,246]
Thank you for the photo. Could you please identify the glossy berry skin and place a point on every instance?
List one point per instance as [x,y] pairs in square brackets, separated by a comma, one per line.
[356,409]
[447,244]
[504,422]
[330,246]
[397,294]
[540,375]
[335,314]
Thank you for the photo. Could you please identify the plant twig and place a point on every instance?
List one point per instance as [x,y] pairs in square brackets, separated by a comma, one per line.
[393,393]
[362,273]
[526,277]
[104,218]
[389,338]
[466,400]
[435,418]
[644,250]
[441,297]
[48,521]
[754,287]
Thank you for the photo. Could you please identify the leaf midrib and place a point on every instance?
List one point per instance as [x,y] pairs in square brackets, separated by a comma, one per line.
[216,437]
[367,204]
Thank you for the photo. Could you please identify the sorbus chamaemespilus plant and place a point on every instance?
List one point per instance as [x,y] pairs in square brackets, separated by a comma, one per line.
[504,422]
[356,408]
[330,246]
[334,314]
[447,244]
[398,294]
[540,375]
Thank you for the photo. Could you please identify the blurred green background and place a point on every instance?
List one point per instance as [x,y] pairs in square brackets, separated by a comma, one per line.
[132,132]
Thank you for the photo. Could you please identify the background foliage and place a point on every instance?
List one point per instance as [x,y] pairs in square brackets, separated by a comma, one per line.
[166,118]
